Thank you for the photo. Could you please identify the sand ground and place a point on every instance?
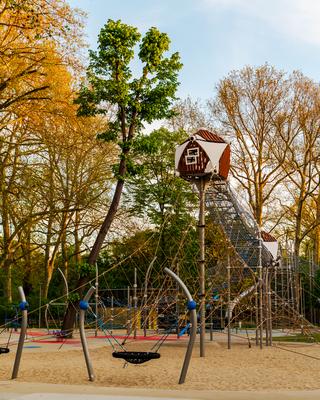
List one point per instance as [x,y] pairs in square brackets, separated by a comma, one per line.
[285,370]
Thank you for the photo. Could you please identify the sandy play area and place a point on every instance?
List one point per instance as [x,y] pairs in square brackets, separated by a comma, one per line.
[293,367]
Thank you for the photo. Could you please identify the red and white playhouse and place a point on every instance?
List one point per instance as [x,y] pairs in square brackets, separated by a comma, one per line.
[203,154]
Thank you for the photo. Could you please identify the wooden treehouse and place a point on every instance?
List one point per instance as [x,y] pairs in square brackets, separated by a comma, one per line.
[203,154]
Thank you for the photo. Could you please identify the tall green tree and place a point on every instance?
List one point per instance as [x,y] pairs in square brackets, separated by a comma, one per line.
[111,88]
[155,190]
[156,193]
[111,85]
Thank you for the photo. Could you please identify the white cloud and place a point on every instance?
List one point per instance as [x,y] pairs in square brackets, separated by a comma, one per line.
[297,19]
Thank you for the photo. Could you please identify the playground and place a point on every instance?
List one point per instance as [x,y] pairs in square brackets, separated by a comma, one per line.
[275,368]
[153,245]
[246,333]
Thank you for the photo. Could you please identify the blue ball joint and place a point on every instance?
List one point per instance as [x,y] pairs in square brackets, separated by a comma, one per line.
[84,305]
[23,305]
[191,305]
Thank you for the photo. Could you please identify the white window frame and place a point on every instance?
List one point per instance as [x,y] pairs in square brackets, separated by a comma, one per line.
[193,149]
[194,161]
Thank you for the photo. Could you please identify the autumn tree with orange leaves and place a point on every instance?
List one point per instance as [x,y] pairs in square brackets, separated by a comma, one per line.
[50,160]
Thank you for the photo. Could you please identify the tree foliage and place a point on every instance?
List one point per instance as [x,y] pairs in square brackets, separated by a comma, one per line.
[111,85]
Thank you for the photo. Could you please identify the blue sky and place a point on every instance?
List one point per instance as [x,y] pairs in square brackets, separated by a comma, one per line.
[215,36]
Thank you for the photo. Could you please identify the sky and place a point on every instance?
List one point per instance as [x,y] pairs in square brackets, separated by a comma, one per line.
[214,37]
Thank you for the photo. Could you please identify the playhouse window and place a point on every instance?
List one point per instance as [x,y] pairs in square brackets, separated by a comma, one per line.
[193,152]
[191,160]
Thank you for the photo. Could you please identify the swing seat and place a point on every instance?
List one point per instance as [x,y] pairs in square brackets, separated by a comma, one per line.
[4,350]
[136,357]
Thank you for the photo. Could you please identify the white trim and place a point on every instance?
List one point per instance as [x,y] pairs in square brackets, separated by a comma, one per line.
[179,151]
[272,247]
[193,162]
[213,150]
[196,149]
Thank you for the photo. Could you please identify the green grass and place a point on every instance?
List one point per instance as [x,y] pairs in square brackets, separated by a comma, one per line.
[312,338]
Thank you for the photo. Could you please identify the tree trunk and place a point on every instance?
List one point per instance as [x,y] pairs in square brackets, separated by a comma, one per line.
[77,255]
[106,224]
[49,272]
[65,261]
[50,255]
[7,265]
[7,247]
[70,315]
[25,239]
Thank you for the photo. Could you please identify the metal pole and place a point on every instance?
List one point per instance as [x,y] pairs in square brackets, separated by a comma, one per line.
[24,309]
[128,311]
[145,320]
[288,290]
[201,226]
[270,311]
[145,298]
[292,291]
[111,319]
[40,303]
[265,286]
[96,299]
[302,298]
[65,282]
[177,303]
[135,304]
[84,305]
[257,314]
[193,323]
[313,275]
[229,302]
[282,264]
[260,289]
[276,293]
[310,293]
[211,321]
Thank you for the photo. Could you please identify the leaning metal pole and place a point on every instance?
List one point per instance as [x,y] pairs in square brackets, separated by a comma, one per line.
[84,305]
[201,226]
[193,322]
[65,283]
[24,309]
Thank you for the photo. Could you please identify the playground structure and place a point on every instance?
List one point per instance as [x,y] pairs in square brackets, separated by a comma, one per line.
[135,357]
[253,255]
[250,284]
[128,356]
[203,157]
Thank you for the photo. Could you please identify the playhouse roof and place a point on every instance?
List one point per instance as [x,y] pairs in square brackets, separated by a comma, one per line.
[267,237]
[209,136]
